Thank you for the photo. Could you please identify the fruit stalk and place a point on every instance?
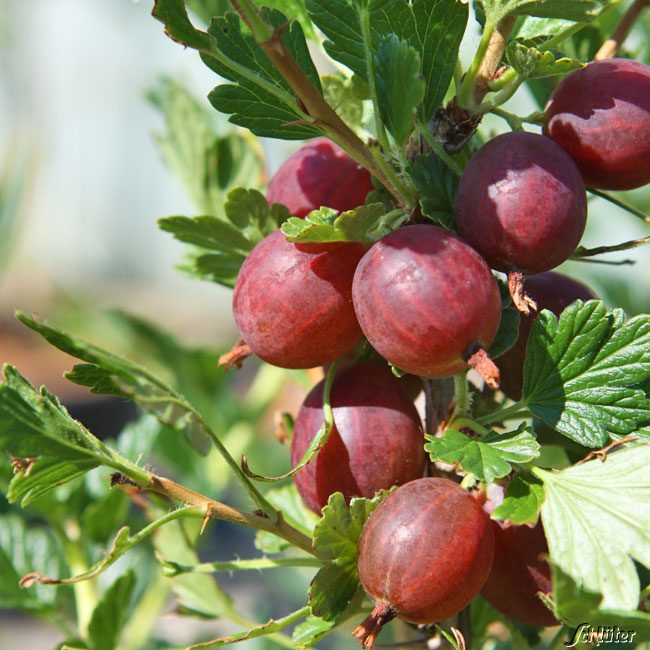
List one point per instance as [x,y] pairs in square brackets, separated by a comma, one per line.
[612,45]
[217,510]
[322,114]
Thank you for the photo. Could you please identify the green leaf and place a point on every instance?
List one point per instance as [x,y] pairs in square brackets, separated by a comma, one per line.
[575,605]
[488,458]
[437,185]
[531,63]
[50,446]
[296,10]
[340,93]
[208,157]
[508,331]
[597,521]
[111,613]
[335,540]
[580,11]
[524,498]
[23,550]
[582,372]
[434,28]
[311,631]
[259,99]
[400,87]
[365,224]
[108,374]
[247,220]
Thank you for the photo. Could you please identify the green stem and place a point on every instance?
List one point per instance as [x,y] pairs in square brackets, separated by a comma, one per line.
[468,423]
[458,75]
[505,79]
[86,595]
[621,204]
[172,568]
[514,122]
[556,641]
[437,148]
[364,21]
[518,409]
[466,94]
[461,393]
[500,97]
[261,30]
[602,250]
[408,199]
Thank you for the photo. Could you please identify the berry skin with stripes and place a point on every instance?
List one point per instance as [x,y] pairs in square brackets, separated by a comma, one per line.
[319,174]
[376,442]
[600,115]
[426,301]
[293,302]
[522,203]
[424,554]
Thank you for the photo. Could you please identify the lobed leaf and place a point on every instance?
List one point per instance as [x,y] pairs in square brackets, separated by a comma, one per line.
[258,98]
[582,373]
[575,605]
[596,517]
[246,221]
[489,458]
[364,224]
[437,185]
[532,63]
[208,157]
[433,28]
[111,613]
[400,86]
[335,540]
[523,500]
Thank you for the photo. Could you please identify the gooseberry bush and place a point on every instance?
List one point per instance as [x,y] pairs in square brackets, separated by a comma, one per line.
[407,248]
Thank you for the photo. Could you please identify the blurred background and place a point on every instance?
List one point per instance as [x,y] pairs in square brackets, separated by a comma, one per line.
[82,182]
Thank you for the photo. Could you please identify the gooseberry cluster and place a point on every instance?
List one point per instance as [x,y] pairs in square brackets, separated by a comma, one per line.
[427,302]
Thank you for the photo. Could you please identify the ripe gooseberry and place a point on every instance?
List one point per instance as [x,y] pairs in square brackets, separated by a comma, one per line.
[519,571]
[376,441]
[427,302]
[600,115]
[424,553]
[552,291]
[319,174]
[293,302]
[522,205]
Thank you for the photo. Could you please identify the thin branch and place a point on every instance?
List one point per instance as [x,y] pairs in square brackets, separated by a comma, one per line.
[492,58]
[582,252]
[320,112]
[217,510]
[621,204]
[612,45]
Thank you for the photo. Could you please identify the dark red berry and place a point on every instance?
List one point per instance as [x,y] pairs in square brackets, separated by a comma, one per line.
[424,554]
[319,174]
[522,203]
[293,304]
[600,115]
[376,442]
[551,291]
[426,301]
[519,570]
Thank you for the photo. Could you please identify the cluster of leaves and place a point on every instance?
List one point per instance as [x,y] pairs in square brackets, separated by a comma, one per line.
[587,374]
